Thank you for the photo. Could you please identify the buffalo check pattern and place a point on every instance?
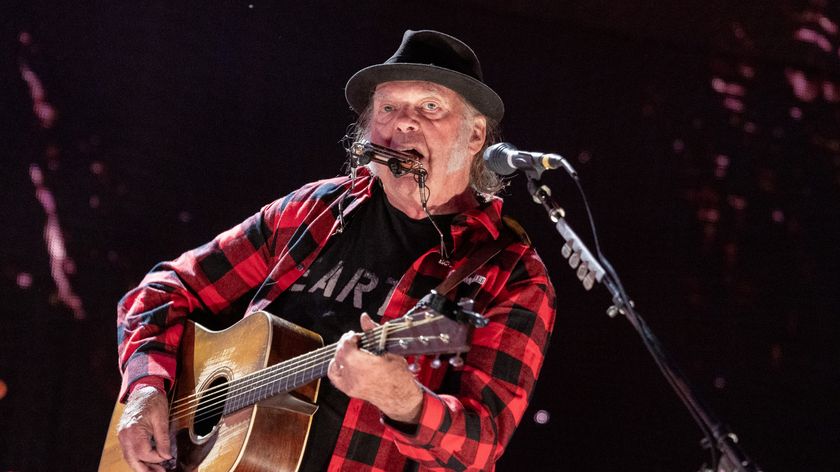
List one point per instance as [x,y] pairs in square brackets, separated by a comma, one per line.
[468,414]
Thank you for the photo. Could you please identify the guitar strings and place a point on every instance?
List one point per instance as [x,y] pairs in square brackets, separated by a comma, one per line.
[368,340]
[293,362]
[272,370]
[221,399]
[276,372]
[216,401]
[220,394]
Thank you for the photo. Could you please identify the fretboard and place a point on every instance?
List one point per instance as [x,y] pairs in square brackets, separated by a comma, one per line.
[279,378]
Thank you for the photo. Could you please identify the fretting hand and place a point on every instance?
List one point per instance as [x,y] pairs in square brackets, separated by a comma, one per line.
[382,380]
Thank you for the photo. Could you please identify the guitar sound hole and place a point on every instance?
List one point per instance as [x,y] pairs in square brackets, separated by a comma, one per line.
[210,407]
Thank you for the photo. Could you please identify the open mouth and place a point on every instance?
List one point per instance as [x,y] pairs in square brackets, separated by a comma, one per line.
[413,152]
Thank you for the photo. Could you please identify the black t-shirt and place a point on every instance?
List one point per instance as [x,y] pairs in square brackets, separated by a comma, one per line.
[354,273]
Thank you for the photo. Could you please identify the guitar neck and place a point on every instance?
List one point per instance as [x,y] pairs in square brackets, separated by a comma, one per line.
[279,378]
[423,332]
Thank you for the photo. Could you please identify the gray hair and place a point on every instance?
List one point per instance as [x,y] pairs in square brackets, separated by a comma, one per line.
[483,181]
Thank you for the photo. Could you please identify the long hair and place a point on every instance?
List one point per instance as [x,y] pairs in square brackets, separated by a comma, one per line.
[483,181]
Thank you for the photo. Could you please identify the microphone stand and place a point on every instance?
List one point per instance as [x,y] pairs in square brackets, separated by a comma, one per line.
[727,455]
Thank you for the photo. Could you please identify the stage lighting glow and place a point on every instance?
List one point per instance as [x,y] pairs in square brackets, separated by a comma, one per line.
[542,417]
[24,280]
[808,35]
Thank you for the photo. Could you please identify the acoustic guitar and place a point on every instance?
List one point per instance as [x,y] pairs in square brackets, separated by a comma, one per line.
[244,397]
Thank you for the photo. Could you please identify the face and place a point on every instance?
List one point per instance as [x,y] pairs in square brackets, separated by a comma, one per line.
[434,121]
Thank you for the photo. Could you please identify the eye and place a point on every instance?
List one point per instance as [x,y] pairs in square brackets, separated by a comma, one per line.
[387,108]
[431,106]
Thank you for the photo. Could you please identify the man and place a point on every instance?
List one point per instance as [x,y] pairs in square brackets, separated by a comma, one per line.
[393,242]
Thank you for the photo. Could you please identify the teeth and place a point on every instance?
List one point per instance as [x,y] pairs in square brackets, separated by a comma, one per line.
[411,151]
[414,152]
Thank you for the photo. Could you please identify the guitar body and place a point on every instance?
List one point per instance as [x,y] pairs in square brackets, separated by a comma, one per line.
[269,435]
[244,397]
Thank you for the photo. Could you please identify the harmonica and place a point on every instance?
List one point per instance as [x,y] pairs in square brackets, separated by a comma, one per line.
[399,162]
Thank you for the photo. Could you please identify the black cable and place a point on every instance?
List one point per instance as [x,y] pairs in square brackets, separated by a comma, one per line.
[638,323]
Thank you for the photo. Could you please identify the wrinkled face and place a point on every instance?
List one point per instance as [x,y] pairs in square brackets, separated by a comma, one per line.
[434,121]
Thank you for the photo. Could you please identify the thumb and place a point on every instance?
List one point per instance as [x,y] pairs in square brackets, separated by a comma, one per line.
[367,322]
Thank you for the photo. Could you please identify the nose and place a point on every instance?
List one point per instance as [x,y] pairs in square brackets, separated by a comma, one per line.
[405,121]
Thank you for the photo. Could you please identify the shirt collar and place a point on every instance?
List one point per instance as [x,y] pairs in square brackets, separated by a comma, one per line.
[487,215]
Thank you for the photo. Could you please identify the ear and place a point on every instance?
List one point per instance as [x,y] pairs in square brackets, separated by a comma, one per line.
[478,134]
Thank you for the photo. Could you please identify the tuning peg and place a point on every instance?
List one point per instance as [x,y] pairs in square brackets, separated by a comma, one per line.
[414,367]
[436,362]
[456,361]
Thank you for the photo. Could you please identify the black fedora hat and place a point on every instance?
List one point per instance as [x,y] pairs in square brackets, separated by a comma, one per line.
[434,57]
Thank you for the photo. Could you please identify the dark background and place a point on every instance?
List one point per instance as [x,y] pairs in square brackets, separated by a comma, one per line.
[705,133]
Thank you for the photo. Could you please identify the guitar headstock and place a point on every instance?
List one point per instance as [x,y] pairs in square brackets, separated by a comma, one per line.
[435,326]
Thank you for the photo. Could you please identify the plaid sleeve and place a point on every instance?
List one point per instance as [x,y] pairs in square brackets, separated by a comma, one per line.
[469,430]
[214,277]
[150,318]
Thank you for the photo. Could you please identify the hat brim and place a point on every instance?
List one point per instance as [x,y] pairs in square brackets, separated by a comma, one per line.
[360,87]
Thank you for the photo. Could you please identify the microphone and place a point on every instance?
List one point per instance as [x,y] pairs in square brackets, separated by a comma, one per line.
[505,159]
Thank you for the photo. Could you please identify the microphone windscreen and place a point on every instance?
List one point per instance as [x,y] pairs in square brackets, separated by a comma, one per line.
[496,158]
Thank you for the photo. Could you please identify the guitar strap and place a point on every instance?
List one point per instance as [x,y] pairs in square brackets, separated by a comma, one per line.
[483,254]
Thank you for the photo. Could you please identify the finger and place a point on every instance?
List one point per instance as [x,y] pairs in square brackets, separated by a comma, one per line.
[136,465]
[160,429]
[138,444]
[349,342]
[334,373]
[156,467]
[129,444]
[367,322]
[150,455]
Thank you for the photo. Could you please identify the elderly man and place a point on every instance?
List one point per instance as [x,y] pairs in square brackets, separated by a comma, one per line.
[374,242]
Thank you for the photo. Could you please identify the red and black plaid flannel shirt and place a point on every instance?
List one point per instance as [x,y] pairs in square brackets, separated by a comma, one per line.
[464,426]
